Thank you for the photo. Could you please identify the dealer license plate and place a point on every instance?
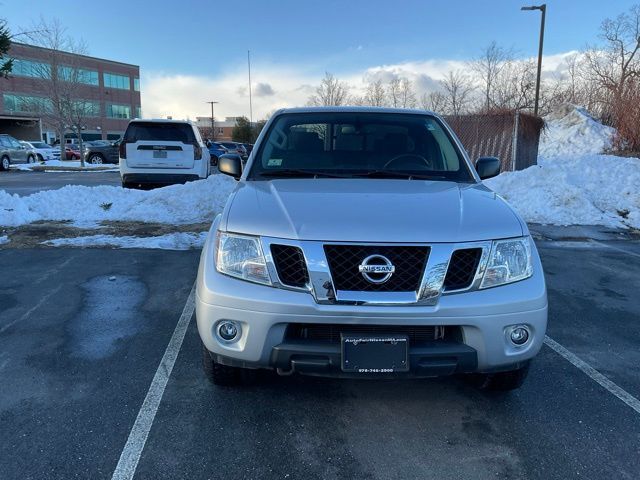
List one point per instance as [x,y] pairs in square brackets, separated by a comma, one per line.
[375,353]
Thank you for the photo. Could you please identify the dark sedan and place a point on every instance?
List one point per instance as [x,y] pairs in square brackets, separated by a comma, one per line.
[99,152]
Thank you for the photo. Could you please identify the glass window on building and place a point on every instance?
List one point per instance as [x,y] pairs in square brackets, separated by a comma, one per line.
[118,111]
[138,112]
[136,84]
[113,80]
[30,68]
[86,108]
[78,75]
[25,103]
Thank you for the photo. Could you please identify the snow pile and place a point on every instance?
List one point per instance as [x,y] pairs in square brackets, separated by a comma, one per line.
[170,241]
[4,239]
[192,202]
[571,131]
[587,190]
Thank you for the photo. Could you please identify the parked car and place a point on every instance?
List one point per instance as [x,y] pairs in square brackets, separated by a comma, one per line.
[248,147]
[378,254]
[12,151]
[234,147]
[215,150]
[99,151]
[42,150]
[72,152]
[162,152]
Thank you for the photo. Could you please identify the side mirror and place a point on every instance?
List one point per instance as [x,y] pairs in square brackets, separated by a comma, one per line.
[230,164]
[487,167]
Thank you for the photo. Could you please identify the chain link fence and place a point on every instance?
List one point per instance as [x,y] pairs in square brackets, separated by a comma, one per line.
[511,136]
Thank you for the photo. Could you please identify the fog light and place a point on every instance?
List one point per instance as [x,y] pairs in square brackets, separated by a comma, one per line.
[228,331]
[519,335]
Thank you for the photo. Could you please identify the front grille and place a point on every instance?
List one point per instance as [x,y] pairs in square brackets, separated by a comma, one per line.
[290,265]
[344,260]
[330,333]
[462,268]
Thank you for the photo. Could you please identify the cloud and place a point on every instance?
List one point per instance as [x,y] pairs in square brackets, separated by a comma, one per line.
[185,96]
[263,90]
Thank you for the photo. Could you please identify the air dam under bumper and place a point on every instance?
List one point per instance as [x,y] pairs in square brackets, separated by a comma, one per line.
[158,178]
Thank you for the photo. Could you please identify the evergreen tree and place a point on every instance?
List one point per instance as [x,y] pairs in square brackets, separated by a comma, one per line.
[6,63]
[242,131]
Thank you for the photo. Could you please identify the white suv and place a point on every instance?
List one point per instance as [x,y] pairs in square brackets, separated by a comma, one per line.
[162,152]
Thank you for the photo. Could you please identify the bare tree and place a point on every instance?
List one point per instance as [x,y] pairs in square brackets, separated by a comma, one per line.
[615,64]
[488,67]
[394,92]
[60,81]
[375,93]
[433,101]
[331,91]
[458,91]
[407,94]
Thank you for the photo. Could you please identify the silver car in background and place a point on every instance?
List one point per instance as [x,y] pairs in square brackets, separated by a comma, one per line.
[13,151]
[361,242]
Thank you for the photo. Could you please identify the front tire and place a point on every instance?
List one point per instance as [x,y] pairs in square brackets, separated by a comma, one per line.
[95,159]
[5,163]
[31,159]
[500,381]
[219,374]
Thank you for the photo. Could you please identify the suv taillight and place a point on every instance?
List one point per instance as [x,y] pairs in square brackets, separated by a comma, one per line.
[123,149]
[197,151]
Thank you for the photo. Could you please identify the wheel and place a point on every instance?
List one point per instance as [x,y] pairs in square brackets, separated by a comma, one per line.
[500,381]
[40,158]
[95,159]
[219,374]
[214,161]
[4,163]
[31,159]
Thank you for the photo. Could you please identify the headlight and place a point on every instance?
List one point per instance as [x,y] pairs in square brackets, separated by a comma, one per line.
[241,256]
[510,261]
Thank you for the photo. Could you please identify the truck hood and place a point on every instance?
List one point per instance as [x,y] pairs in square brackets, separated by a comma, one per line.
[370,210]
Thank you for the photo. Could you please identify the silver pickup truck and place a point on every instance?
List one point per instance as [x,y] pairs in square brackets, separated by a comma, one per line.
[361,242]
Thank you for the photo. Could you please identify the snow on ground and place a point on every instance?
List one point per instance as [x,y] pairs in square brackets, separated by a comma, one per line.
[570,131]
[4,239]
[170,241]
[65,163]
[574,183]
[192,202]
[583,190]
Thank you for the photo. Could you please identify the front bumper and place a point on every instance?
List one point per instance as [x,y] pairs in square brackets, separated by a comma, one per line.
[482,317]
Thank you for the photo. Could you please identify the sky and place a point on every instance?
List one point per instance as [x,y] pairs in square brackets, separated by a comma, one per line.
[193,51]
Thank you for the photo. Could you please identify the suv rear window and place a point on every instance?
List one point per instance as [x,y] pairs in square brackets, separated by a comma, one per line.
[151,131]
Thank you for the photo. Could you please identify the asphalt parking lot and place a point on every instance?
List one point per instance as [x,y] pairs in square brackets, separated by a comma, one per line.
[83,332]
[27,183]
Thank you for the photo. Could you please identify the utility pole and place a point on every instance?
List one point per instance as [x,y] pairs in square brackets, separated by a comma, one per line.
[213,130]
[250,103]
[543,9]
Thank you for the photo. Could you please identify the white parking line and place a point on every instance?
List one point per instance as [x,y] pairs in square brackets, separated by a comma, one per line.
[596,376]
[616,248]
[130,455]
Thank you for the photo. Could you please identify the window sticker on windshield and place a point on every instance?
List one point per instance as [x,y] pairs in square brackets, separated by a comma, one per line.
[274,162]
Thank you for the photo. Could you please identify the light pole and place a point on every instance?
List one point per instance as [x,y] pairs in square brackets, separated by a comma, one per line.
[213,130]
[543,9]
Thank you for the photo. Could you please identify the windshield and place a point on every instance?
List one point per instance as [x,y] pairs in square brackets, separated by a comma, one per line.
[40,145]
[354,144]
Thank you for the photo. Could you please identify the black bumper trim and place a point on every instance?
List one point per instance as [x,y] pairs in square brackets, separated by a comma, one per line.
[158,178]
[427,359]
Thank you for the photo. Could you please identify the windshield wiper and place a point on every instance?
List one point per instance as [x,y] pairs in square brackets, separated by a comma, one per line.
[292,172]
[392,174]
